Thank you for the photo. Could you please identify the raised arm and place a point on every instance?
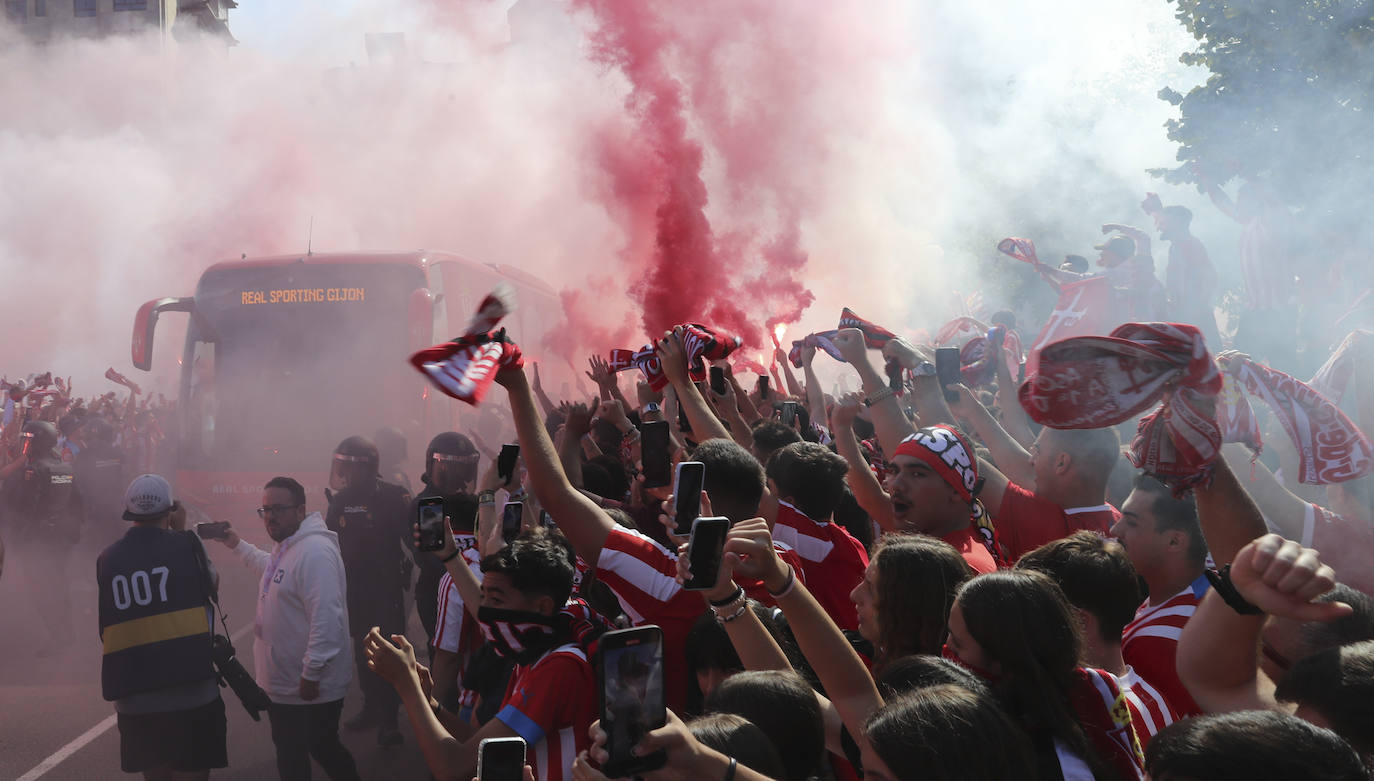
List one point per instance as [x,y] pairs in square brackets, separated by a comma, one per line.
[1015,421]
[727,404]
[868,491]
[780,357]
[1281,507]
[1012,460]
[546,404]
[705,424]
[891,424]
[584,524]
[1229,517]
[815,395]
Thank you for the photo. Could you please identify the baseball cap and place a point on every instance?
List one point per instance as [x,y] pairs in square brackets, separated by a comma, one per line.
[148,497]
[1121,246]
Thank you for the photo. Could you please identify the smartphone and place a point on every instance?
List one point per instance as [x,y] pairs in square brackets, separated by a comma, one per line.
[704,550]
[429,518]
[947,371]
[718,380]
[511,516]
[501,759]
[763,386]
[653,450]
[214,530]
[505,463]
[789,413]
[630,684]
[687,485]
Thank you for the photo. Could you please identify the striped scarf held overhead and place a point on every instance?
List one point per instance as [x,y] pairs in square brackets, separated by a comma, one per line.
[698,342]
[466,367]
[1099,381]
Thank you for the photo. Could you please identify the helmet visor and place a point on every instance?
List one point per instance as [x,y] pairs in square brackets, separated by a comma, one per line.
[451,473]
[350,470]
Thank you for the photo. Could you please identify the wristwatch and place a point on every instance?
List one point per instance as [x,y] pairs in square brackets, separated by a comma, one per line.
[924,369]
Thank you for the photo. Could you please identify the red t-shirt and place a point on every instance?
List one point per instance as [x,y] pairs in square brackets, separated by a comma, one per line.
[833,561]
[1026,521]
[1150,712]
[551,704]
[643,576]
[1346,545]
[970,545]
[1149,644]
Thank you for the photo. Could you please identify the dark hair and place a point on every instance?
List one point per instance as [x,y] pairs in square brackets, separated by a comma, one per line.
[811,475]
[1339,684]
[855,519]
[709,647]
[1023,622]
[1095,574]
[1004,317]
[1250,746]
[1076,262]
[736,736]
[734,479]
[1174,514]
[949,733]
[918,577]
[919,671]
[1358,626]
[537,563]
[772,435]
[785,708]
[1181,214]
[292,487]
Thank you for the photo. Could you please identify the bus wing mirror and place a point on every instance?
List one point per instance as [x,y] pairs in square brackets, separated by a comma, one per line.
[145,322]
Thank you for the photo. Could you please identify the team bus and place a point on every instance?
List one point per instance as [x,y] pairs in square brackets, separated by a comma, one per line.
[285,356]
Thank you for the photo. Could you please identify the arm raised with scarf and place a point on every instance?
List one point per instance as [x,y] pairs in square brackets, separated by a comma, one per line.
[705,424]
[888,419]
[1012,460]
[868,491]
[584,523]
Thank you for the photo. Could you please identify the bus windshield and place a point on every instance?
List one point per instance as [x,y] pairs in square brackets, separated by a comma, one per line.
[283,362]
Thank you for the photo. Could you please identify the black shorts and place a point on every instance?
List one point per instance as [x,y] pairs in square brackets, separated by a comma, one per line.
[184,740]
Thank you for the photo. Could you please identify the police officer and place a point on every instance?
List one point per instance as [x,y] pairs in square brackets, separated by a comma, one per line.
[156,628]
[372,520]
[44,517]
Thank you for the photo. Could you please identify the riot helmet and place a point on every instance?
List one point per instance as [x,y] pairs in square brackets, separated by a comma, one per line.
[450,463]
[40,439]
[355,463]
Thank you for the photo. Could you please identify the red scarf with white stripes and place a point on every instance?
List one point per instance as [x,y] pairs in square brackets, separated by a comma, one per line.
[466,367]
[698,342]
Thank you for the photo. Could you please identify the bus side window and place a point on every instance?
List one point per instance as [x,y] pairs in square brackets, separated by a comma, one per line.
[204,405]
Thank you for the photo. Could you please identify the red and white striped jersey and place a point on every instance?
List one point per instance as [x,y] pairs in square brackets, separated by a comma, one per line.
[1149,644]
[1103,712]
[1150,712]
[454,630]
[551,704]
[833,561]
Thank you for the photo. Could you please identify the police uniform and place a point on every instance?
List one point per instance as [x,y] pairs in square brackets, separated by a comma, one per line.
[155,630]
[44,520]
[373,523]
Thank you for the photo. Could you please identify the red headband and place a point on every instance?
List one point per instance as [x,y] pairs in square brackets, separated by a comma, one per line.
[948,453]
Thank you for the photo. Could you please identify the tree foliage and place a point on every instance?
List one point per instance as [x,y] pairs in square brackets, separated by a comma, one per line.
[1290,100]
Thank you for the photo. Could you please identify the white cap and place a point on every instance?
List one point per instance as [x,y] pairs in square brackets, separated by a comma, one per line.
[148,497]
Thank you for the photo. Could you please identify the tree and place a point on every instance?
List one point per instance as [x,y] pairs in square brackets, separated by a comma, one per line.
[1290,100]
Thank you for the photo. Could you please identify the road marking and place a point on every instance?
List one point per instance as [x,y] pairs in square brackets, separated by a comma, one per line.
[89,735]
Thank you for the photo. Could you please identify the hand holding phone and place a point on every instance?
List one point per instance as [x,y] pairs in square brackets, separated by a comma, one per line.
[947,368]
[718,380]
[789,413]
[505,463]
[214,530]
[687,485]
[512,515]
[655,455]
[704,551]
[501,759]
[630,678]
[429,519]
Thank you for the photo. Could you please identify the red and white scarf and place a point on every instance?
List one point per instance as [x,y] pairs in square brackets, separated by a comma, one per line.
[1235,417]
[698,342]
[1098,381]
[1333,377]
[822,340]
[466,367]
[1331,448]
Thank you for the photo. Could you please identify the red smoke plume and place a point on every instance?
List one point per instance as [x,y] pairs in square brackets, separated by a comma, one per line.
[689,274]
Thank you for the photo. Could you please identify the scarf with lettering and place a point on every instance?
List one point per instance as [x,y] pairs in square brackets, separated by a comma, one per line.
[1235,417]
[946,451]
[698,342]
[875,338]
[823,340]
[1331,448]
[466,367]
[1099,381]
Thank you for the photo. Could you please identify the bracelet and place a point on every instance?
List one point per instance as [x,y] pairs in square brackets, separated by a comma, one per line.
[730,600]
[450,557]
[486,497]
[1221,583]
[730,771]
[882,395]
[723,620]
[787,587]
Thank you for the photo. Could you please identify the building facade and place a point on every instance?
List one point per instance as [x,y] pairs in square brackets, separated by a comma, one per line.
[46,20]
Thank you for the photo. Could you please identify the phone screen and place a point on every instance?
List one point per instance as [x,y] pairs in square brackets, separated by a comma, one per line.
[214,530]
[947,370]
[653,450]
[718,380]
[631,688]
[511,516]
[505,463]
[704,552]
[430,518]
[687,485]
[789,413]
[763,386]
[501,759]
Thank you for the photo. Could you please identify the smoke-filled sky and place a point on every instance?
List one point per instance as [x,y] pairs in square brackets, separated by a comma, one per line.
[735,162]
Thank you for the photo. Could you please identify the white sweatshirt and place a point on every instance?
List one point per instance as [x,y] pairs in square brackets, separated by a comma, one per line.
[301,629]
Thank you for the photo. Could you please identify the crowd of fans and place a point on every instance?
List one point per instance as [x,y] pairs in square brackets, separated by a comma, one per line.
[920,581]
